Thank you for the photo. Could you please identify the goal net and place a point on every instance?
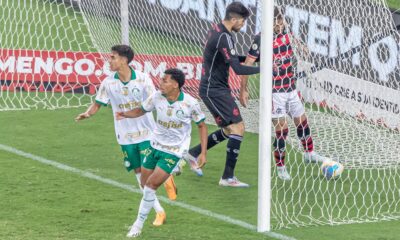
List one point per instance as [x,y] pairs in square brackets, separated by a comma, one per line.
[348,81]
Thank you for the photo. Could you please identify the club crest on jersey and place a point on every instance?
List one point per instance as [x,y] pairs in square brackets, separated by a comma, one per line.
[169,111]
[233,52]
[284,40]
[195,114]
[180,114]
[125,91]
[136,92]
[254,46]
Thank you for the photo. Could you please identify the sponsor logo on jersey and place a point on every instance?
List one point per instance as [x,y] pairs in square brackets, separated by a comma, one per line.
[137,134]
[170,124]
[103,93]
[165,147]
[279,111]
[146,152]
[171,161]
[195,114]
[130,105]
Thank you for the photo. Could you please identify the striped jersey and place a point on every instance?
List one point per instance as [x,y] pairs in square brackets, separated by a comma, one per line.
[284,79]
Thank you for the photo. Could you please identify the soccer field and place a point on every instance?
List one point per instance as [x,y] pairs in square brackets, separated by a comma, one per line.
[65,180]
[45,202]
[394,4]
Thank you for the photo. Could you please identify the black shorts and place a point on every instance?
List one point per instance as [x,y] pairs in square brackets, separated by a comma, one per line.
[224,109]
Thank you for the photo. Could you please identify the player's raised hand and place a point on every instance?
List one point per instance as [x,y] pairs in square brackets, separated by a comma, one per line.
[244,97]
[82,116]
[119,115]
[201,160]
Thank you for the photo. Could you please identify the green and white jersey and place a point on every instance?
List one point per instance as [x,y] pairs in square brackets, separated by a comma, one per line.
[173,126]
[127,96]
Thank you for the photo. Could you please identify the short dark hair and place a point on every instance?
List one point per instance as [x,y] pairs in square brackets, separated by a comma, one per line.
[177,75]
[278,13]
[236,9]
[124,51]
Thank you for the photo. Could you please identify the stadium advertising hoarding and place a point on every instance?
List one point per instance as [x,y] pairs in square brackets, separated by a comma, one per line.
[369,80]
[328,31]
[366,85]
[32,70]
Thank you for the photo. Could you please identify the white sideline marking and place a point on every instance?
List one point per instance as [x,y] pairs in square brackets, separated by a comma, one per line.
[130,188]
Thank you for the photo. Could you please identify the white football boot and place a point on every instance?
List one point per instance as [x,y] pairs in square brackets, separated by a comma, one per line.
[283,173]
[134,232]
[313,157]
[232,182]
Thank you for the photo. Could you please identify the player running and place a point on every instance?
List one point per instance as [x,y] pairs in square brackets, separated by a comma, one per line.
[171,138]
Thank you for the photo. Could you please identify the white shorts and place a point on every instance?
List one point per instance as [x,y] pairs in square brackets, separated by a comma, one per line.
[287,104]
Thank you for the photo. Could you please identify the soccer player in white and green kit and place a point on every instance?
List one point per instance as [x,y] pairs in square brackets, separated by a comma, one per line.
[171,137]
[126,90]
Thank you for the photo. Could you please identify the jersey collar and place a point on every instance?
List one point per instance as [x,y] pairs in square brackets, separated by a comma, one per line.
[133,76]
[223,28]
[180,98]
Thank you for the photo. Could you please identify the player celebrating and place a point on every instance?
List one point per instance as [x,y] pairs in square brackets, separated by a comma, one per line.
[175,111]
[285,98]
[220,54]
[126,90]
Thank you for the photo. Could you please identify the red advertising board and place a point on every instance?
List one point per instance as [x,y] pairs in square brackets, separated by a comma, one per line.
[34,70]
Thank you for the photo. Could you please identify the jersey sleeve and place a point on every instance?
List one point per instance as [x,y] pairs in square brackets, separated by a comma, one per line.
[254,51]
[102,96]
[226,48]
[196,114]
[148,104]
[150,89]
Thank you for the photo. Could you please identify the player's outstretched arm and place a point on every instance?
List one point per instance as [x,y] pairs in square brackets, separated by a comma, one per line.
[226,48]
[240,69]
[244,93]
[203,133]
[92,110]
[137,112]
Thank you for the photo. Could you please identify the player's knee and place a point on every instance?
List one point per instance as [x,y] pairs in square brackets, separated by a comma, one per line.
[237,128]
[151,185]
[280,124]
[226,130]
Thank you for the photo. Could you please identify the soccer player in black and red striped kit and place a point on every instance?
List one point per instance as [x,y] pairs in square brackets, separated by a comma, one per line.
[220,54]
[285,98]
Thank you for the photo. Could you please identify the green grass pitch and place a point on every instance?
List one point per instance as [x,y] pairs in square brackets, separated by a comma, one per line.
[42,202]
